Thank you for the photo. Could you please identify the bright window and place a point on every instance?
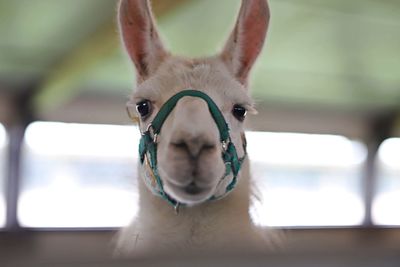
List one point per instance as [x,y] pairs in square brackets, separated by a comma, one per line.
[385,209]
[77,175]
[307,180]
[3,160]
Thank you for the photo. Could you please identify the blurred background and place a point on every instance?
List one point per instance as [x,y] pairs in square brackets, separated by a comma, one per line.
[325,146]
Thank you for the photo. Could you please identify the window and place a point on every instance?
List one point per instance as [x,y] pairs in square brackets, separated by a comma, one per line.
[307,180]
[77,175]
[385,209]
[3,154]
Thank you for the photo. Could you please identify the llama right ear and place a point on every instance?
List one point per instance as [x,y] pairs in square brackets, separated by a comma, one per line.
[247,39]
[140,37]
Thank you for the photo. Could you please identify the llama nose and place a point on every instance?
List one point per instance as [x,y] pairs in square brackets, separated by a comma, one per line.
[194,146]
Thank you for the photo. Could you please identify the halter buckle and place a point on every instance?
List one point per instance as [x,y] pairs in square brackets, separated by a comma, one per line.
[225,144]
[150,130]
[176,208]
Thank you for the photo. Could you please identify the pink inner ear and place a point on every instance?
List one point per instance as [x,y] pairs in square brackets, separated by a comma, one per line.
[134,27]
[253,36]
[247,38]
[140,36]
[253,32]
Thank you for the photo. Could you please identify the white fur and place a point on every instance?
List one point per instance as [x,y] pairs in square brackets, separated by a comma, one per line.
[201,226]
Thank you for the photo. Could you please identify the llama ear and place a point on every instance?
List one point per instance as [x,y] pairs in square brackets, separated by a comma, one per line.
[247,39]
[140,37]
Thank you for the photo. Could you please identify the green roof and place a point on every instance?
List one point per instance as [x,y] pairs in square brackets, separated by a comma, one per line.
[341,54]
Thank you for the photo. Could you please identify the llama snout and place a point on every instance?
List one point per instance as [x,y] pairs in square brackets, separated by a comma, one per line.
[190,154]
[192,160]
[194,168]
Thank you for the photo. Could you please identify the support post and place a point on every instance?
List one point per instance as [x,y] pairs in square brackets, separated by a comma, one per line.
[380,129]
[23,115]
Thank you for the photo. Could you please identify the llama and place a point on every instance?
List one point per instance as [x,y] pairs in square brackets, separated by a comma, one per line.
[211,213]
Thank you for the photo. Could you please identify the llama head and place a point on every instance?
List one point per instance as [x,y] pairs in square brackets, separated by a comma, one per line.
[189,149]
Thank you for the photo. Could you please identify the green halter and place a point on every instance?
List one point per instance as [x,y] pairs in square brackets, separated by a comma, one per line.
[148,146]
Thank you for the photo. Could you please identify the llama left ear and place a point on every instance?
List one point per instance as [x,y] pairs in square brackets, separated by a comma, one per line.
[247,39]
[140,37]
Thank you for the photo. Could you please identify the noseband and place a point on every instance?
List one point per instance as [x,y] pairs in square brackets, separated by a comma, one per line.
[148,147]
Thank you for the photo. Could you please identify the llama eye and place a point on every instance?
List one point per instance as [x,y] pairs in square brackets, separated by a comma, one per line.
[143,108]
[239,112]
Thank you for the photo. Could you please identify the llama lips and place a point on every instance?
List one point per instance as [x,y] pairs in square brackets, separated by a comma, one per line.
[190,194]
[193,189]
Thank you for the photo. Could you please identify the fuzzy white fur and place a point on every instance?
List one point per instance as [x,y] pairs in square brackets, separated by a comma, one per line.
[202,226]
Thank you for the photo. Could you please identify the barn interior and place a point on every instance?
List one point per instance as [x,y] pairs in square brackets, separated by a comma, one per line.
[325,145]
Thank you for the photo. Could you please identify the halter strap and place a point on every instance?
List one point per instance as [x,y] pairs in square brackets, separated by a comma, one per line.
[148,146]
[166,109]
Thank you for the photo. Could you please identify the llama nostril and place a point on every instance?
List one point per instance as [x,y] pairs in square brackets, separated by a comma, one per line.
[209,146]
[180,145]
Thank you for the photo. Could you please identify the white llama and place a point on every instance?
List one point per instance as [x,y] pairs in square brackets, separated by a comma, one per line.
[189,160]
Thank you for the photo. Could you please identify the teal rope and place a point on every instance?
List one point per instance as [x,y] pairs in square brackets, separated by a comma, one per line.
[148,146]
[166,109]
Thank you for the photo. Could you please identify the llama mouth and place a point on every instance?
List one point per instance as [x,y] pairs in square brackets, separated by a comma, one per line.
[190,194]
[193,189]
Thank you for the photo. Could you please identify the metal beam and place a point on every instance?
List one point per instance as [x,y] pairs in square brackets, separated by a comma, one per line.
[64,79]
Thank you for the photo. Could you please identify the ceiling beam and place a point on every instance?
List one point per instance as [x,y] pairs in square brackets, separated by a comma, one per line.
[64,79]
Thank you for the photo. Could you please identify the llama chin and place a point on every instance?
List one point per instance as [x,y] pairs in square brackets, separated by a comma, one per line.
[191,157]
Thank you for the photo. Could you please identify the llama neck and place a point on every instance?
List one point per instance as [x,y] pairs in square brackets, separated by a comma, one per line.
[209,223]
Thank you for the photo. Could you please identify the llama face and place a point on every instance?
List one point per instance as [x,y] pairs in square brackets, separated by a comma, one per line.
[189,150]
